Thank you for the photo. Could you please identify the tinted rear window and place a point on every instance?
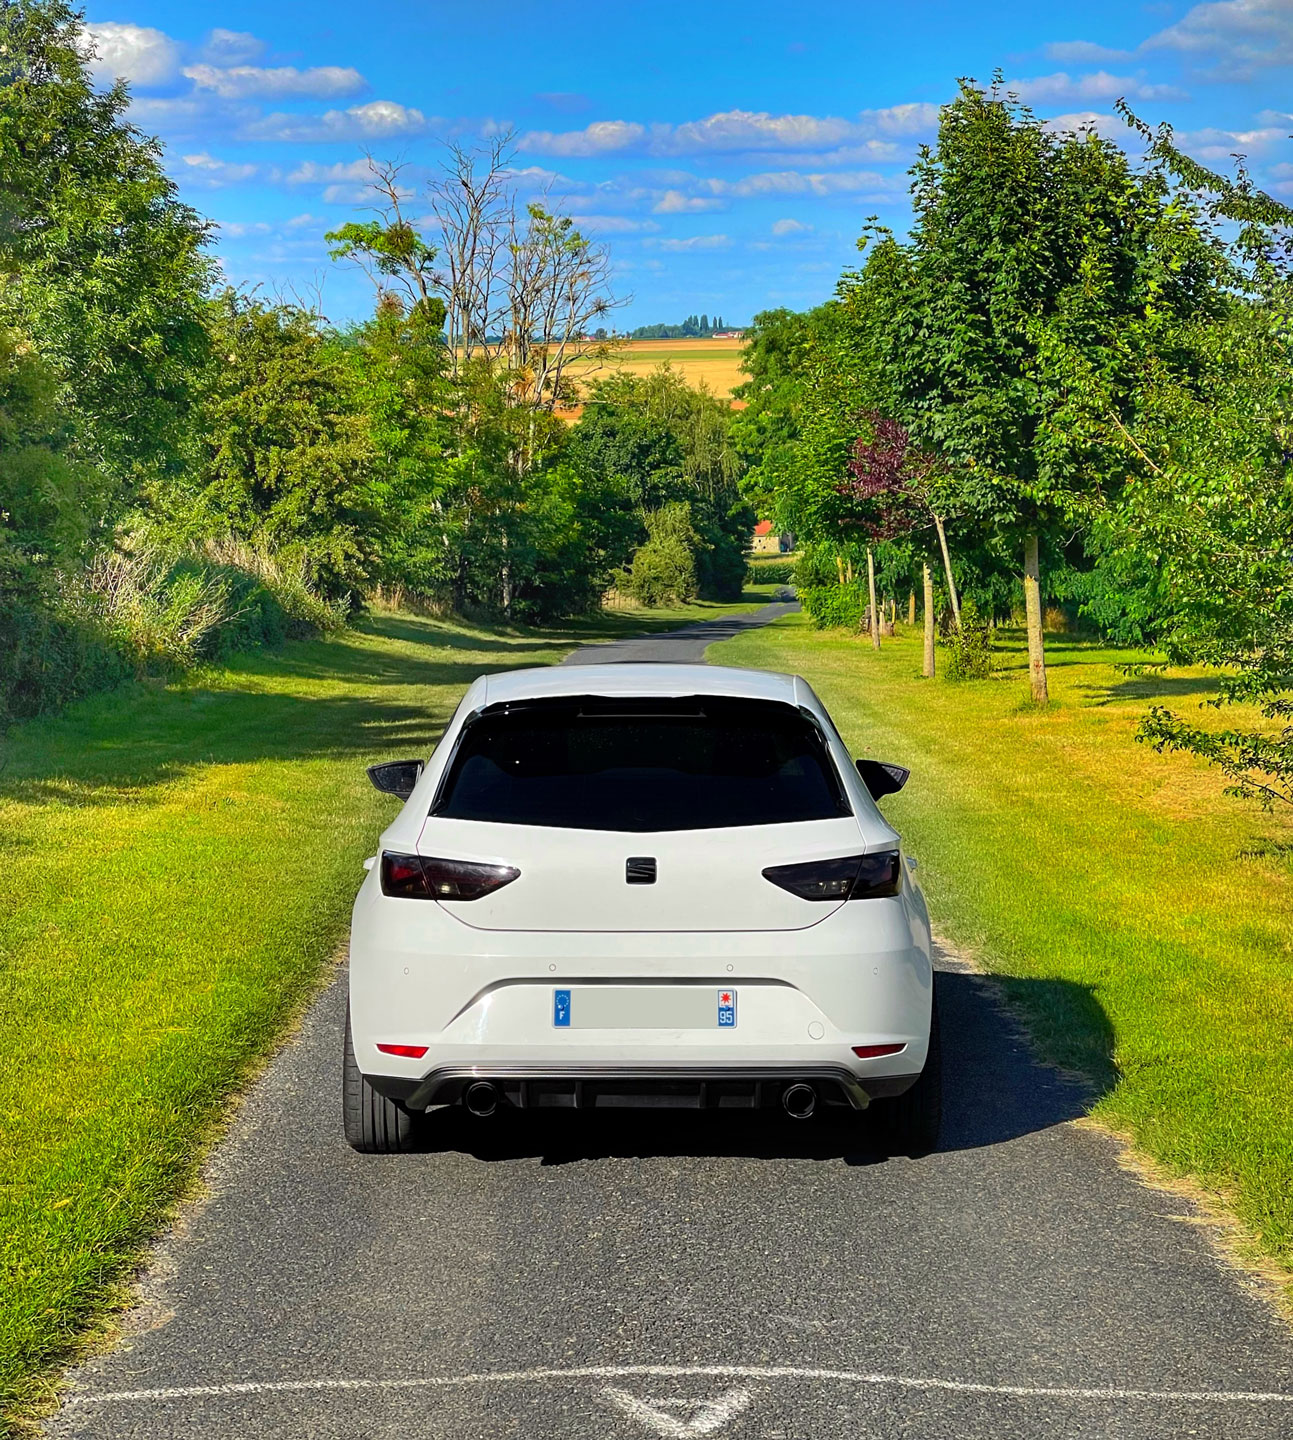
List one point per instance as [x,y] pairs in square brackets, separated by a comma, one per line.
[591,764]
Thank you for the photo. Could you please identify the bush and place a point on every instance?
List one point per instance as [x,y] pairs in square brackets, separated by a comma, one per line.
[771,572]
[969,650]
[663,570]
[834,606]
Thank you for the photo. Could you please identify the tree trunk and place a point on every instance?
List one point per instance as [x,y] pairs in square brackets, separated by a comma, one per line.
[839,565]
[849,571]
[928,668]
[947,567]
[911,607]
[874,611]
[1033,610]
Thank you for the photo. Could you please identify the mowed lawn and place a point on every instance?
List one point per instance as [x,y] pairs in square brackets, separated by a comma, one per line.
[179,864]
[1142,921]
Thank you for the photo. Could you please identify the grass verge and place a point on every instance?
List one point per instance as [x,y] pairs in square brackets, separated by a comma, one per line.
[179,863]
[1141,920]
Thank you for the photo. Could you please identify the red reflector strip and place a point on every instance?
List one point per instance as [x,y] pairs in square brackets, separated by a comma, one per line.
[405,1052]
[872,1052]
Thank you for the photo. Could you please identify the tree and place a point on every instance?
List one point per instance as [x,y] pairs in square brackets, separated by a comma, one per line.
[103,268]
[290,457]
[1040,276]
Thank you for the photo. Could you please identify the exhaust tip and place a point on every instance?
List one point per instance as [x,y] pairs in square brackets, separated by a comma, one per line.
[480,1099]
[799,1100]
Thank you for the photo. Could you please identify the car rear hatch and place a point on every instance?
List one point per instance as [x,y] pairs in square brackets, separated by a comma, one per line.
[641,814]
[594,880]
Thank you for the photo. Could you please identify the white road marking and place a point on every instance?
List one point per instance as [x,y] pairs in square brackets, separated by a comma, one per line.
[670,1372]
[707,1418]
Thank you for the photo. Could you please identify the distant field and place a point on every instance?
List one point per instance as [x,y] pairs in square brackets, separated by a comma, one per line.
[714,363]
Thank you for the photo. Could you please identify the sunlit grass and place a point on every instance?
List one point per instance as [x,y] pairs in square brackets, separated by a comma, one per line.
[179,863]
[1143,920]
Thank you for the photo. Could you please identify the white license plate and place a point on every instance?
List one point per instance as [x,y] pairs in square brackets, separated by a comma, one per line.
[643,1007]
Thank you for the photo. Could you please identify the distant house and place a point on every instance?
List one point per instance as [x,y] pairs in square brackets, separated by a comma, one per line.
[728,335]
[765,541]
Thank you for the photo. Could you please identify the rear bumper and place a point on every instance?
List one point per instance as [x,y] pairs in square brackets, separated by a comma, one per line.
[480,1004]
[662,1087]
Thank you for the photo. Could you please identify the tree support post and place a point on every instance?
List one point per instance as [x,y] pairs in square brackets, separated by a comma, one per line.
[947,569]
[1033,612]
[874,612]
[928,669]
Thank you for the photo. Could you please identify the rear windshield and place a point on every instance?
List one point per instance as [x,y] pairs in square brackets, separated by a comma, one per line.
[592,764]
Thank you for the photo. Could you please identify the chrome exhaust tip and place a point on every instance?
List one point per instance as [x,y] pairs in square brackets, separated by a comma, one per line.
[480,1099]
[799,1100]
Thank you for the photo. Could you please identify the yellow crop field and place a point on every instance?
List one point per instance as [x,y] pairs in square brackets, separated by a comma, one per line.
[714,363]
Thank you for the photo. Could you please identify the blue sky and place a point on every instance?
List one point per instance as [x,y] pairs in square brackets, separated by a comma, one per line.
[727,154]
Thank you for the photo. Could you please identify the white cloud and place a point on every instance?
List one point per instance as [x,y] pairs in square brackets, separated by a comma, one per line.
[1083,52]
[239,230]
[313,173]
[232,47]
[1234,38]
[132,52]
[740,131]
[599,138]
[790,227]
[377,120]
[614,224]
[1108,127]
[674,202]
[1212,145]
[210,173]
[918,118]
[243,82]
[1064,89]
[694,242]
[798,182]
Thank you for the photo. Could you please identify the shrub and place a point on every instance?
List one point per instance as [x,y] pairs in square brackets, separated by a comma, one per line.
[663,570]
[834,606]
[969,650]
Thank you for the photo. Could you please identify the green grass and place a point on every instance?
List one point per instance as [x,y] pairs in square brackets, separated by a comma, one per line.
[1141,919]
[179,863]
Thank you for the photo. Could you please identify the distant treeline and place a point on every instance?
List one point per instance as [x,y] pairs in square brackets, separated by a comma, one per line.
[694,327]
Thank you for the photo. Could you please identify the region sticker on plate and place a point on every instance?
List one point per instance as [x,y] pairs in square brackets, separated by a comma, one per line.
[561,1009]
[726,1008]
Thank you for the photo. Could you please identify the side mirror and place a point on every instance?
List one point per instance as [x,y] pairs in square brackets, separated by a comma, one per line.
[396,777]
[882,779]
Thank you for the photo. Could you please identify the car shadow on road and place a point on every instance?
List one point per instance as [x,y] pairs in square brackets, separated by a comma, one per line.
[995,1092]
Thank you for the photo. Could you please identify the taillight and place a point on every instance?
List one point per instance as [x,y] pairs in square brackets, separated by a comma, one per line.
[405,1052]
[418,877]
[854,877]
[873,1052]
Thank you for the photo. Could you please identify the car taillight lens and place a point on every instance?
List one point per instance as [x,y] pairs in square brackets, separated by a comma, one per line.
[854,877]
[419,877]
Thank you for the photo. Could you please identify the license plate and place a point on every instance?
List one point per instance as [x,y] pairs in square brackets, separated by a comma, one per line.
[643,1007]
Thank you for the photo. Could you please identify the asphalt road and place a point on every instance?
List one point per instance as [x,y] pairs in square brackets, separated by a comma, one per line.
[584,1277]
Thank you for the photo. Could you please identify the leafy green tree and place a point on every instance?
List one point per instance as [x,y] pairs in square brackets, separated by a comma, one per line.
[290,459]
[102,266]
[663,571]
[1041,276]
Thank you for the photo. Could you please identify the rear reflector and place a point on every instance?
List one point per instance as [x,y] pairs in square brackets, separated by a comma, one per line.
[405,1052]
[873,1052]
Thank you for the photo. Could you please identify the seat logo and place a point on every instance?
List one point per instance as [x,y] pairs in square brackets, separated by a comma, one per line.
[640,870]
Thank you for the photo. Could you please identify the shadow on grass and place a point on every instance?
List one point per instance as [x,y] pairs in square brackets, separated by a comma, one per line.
[995,1092]
[1151,687]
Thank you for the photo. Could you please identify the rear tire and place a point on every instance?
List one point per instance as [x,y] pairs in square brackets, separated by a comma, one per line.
[912,1120]
[373,1124]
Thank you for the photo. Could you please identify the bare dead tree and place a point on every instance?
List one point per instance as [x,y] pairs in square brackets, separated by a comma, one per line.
[474,207]
[559,289]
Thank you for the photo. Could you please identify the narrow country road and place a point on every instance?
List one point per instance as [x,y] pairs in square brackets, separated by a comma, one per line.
[584,1277]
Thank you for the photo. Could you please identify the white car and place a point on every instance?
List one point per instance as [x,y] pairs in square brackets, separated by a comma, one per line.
[640,885]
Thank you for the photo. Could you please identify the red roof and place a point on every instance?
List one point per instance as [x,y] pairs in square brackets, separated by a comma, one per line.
[764,527]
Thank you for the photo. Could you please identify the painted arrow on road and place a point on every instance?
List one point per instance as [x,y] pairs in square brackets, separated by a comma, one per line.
[707,1417]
